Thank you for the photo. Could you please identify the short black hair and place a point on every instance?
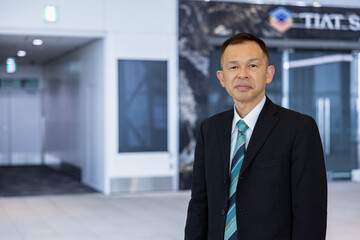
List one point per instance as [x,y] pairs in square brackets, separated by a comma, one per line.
[241,38]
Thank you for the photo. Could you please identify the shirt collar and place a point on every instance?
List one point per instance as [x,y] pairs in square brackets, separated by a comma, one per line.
[251,118]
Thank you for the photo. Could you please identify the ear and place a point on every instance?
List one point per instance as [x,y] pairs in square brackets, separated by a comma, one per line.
[270,71]
[220,76]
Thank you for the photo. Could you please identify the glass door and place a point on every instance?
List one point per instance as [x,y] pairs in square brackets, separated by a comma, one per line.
[4,129]
[20,138]
[320,84]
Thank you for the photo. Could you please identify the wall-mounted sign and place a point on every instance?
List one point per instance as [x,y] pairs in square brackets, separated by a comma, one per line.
[50,14]
[10,65]
[280,21]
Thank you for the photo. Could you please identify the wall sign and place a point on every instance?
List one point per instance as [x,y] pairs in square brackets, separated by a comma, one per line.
[280,21]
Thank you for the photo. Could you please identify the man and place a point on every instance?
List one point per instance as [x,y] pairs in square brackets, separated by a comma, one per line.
[259,171]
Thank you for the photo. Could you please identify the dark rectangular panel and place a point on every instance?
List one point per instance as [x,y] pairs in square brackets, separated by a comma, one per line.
[142,105]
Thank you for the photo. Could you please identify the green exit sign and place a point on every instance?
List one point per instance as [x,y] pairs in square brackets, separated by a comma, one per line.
[50,14]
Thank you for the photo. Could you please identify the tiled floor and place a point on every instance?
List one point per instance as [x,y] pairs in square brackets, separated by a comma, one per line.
[159,216]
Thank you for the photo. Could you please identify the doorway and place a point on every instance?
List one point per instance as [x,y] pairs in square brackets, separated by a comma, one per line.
[45,122]
[20,138]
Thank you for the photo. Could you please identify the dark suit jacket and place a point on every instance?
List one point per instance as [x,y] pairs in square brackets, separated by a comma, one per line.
[282,187]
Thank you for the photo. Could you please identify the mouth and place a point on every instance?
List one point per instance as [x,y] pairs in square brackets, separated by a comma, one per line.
[242,87]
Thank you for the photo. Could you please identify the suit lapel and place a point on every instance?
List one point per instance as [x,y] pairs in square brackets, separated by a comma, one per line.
[262,129]
[224,137]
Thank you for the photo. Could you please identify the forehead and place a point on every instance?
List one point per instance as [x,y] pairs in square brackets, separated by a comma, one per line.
[243,50]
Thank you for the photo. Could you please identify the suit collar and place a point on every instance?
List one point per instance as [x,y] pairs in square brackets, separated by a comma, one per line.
[251,118]
[263,127]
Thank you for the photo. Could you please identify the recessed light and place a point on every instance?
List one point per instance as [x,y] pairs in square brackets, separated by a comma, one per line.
[37,42]
[21,53]
[300,3]
[316,4]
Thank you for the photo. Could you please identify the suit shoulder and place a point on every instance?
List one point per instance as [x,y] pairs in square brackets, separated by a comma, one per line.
[290,113]
[295,117]
[215,119]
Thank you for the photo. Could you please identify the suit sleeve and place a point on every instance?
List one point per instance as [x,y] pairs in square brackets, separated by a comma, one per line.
[197,216]
[309,184]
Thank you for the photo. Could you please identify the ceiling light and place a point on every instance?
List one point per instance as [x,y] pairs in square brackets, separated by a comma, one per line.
[316,4]
[37,42]
[300,3]
[21,53]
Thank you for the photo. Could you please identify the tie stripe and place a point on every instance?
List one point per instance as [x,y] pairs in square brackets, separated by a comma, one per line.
[231,225]
[235,176]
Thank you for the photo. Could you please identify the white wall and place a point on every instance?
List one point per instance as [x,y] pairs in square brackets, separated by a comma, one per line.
[64,118]
[144,30]
[75,18]
[73,111]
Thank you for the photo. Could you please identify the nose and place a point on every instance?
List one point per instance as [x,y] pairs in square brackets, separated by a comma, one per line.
[242,73]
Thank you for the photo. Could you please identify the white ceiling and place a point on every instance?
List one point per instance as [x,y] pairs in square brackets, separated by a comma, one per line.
[52,48]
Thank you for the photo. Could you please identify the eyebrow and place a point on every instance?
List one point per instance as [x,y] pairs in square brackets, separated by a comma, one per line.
[248,60]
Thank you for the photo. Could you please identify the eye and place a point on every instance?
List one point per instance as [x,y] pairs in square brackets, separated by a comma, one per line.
[252,66]
[234,67]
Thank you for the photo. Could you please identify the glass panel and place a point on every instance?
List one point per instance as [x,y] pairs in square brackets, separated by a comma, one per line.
[320,87]
[4,128]
[273,90]
[142,105]
[218,100]
[29,83]
[11,83]
[25,83]
[25,135]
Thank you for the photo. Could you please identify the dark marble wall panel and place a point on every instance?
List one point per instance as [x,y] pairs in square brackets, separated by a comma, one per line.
[227,19]
[194,71]
[200,93]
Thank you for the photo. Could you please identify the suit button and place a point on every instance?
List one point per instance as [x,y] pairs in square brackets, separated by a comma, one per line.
[241,178]
[223,212]
[242,209]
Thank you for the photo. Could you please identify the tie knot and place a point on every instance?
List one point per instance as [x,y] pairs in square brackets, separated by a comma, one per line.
[242,126]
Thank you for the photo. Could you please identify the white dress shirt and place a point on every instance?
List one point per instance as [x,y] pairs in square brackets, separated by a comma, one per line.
[250,120]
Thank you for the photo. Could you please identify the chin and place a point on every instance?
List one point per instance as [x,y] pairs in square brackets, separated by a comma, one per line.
[242,97]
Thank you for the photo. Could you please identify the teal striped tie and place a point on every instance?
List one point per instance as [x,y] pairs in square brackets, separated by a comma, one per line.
[238,157]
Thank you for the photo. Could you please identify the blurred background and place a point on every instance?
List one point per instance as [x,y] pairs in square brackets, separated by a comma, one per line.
[106,96]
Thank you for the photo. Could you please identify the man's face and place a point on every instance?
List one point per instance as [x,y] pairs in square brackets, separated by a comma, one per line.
[245,72]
